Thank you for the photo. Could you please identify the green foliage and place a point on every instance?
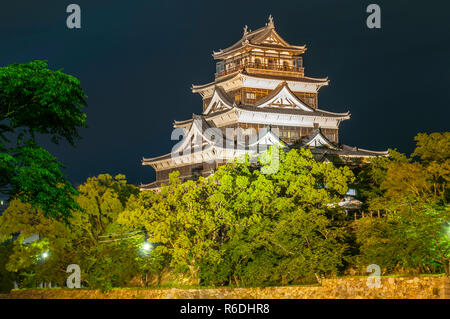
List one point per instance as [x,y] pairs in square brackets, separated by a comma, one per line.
[414,196]
[77,241]
[18,223]
[37,100]
[35,177]
[417,240]
[249,228]
[433,147]
[370,178]
[240,226]
[6,277]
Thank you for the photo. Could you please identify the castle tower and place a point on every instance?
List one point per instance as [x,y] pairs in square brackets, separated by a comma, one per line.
[259,86]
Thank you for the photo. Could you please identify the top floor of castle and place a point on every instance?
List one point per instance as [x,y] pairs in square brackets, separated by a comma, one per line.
[255,65]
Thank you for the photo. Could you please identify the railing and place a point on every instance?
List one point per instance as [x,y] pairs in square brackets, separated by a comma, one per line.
[361,214]
[263,67]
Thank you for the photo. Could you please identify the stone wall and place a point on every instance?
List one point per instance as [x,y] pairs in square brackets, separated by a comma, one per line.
[432,287]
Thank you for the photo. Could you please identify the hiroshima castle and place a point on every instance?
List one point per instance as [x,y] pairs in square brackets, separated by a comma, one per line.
[259,85]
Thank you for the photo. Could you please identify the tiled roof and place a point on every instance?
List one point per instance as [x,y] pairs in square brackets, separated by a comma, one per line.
[256,37]
[345,150]
[293,111]
[304,79]
[336,149]
[313,134]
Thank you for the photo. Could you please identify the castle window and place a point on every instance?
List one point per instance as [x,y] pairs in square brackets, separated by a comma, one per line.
[250,95]
[219,67]
[298,62]
[196,172]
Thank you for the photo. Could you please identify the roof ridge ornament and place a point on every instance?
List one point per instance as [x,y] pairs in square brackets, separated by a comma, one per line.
[245,31]
[270,24]
[244,37]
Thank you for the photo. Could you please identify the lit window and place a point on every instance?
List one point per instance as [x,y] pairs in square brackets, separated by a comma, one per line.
[250,96]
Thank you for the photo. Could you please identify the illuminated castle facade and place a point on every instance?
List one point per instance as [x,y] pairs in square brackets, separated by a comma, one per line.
[259,85]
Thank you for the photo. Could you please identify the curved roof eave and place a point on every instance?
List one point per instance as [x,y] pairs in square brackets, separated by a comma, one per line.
[234,75]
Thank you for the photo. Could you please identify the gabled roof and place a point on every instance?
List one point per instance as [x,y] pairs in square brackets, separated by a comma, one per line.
[208,138]
[268,109]
[277,110]
[321,146]
[219,101]
[265,138]
[340,154]
[317,139]
[263,37]
[282,96]
[198,130]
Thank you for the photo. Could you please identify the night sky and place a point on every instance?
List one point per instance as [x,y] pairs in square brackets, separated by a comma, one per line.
[137,59]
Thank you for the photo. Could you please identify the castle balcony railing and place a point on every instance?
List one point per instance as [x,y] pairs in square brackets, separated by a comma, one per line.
[267,69]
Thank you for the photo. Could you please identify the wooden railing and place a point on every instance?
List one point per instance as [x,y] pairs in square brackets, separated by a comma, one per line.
[361,214]
[259,66]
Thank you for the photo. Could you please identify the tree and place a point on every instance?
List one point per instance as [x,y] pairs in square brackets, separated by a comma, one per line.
[433,147]
[178,219]
[36,100]
[414,194]
[19,222]
[104,264]
[84,239]
[242,226]
[6,277]
[289,229]
[370,178]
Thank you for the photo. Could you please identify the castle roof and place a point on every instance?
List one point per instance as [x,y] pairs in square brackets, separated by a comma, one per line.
[294,111]
[242,72]
[281,100]
[278,109]
[264,38]
[321,145]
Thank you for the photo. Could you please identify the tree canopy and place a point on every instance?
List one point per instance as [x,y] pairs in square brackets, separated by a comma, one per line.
[242,226]
[35,100]
[83,239]
[414,195]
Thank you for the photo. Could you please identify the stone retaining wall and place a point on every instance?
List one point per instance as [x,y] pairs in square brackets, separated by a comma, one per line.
[341,288]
